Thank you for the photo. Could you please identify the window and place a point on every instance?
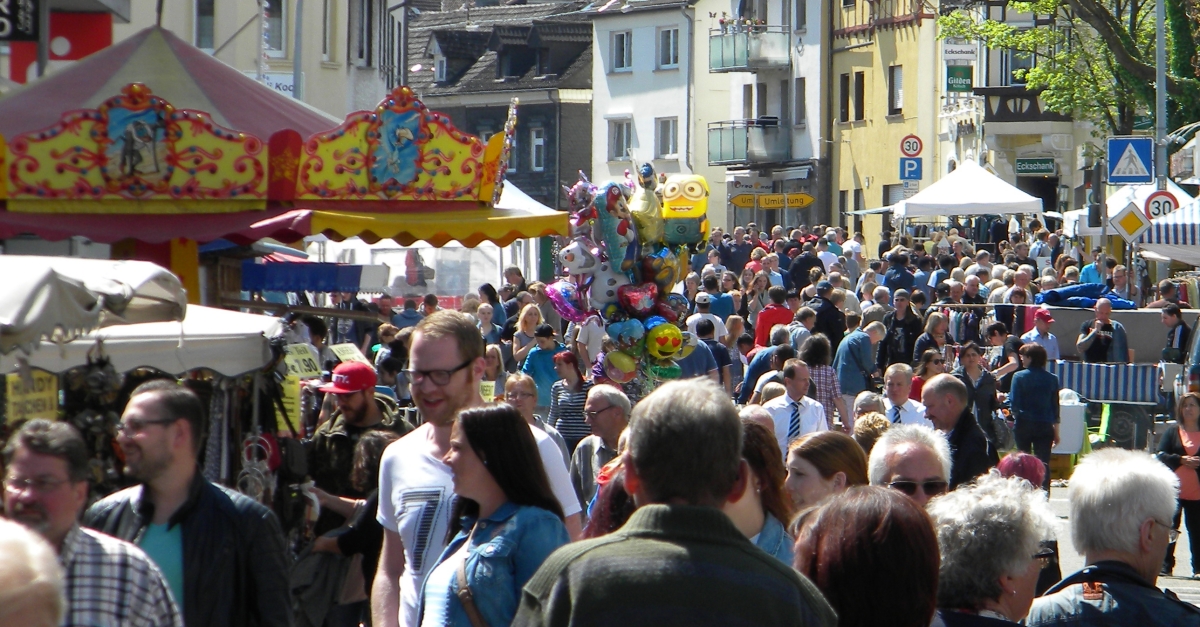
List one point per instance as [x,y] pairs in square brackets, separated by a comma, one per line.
[847,3]
[364,33]
[859,204]
[760,99]
[622,51]
[800,15]
[895,90]
[860,96]
[666,141]
[276,28]
[439,69]
[843,198]
[747,102]
[514,154]
[537,149]
[620,139]
[204,24]
[801,113]
[785,104]
[893,194]
[327,30]
[844,98]
[668,48]
[1015,64]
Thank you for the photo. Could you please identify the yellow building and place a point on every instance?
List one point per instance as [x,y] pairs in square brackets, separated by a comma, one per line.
[885,86]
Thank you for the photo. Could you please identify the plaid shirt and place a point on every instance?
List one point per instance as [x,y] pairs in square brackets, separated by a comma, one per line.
[111,582]
[824,379]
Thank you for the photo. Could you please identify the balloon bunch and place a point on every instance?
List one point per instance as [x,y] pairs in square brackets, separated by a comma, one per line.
[625,275]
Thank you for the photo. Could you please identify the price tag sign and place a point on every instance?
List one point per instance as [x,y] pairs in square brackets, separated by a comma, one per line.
[487,389]
[301,360]
[290,392]
[33,398]
[349,352]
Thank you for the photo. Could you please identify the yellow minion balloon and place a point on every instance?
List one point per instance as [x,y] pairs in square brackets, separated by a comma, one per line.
[685,210]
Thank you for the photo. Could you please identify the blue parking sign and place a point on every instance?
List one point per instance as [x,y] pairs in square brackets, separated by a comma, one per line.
[910,169]
[1130,160]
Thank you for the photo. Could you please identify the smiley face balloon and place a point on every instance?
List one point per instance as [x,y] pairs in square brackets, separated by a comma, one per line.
[663,341]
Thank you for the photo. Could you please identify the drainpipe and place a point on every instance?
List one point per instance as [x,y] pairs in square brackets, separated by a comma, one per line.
[297,48]
[687,159]
[557,100]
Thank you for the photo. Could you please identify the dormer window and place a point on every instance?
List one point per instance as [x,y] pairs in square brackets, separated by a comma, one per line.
[439,69]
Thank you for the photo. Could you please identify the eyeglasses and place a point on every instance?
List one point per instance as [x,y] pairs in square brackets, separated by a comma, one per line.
[939,362]
[39,485]
[930,488]
[439,377]
[516,396]
[1172,533]
[1043,557]
[134,426]
[592,414]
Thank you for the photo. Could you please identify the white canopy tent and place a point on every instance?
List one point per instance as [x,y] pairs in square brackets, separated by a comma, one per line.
[228,342]
[968,191]
[1075,222]
[1175,235]
[43,295]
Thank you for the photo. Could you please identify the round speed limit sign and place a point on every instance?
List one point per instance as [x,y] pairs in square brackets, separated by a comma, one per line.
[911,146]
[1160,203]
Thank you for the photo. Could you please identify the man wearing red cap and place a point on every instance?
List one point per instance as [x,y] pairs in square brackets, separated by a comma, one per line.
[1041,335]
[331,449]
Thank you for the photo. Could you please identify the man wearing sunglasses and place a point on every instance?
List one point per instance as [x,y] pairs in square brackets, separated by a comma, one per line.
[946,405]
[913,459]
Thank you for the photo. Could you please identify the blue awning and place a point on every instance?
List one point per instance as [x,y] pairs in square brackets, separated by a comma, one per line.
[313,277]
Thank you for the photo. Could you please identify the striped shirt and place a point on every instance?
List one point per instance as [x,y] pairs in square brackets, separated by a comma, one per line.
[566,410]
[824,379]
[112,582]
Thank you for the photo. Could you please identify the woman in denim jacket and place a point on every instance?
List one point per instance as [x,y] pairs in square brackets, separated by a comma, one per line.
[507,521]
[763,509]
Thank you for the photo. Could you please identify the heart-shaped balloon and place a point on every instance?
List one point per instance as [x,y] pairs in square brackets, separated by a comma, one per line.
[665,310]
[564,298]
[637,299]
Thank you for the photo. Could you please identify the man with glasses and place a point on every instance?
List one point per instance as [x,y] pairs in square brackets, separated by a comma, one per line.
[521,392]
[947,407]
[1121,505]
[607,413]
[221,552]
[108,581]
[913,459]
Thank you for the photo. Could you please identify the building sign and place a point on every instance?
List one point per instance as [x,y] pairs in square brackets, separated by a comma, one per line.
[35,397]
[19,20]
[959,78]
[958,51]
[1036,167]
[281,82]
[753,184]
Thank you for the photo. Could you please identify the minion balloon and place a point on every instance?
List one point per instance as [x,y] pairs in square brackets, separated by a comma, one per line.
[685,211]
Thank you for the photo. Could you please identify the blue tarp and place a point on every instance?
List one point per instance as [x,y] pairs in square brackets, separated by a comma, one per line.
[1082,296]
[298,277]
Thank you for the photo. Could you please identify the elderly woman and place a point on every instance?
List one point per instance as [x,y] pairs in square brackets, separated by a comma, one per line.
[990,534]
[822,464]
[763,508]
[1035,409]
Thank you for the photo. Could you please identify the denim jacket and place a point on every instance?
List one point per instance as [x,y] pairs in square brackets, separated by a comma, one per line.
[1109,593]
[507,549]
[1034,396]
[774,539]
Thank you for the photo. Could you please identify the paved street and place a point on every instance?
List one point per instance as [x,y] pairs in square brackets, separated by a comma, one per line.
[1187,589]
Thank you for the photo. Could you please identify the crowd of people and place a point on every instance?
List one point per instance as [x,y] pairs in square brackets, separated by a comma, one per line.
[852,441]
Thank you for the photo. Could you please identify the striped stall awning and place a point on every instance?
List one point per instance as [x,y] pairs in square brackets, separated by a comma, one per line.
[1178,228]
[1114,383]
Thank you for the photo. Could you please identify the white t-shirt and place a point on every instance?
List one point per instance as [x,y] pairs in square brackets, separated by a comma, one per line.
[556,471]
[591,334]
[416,497]
[851,246]
[828,259]
[719,330]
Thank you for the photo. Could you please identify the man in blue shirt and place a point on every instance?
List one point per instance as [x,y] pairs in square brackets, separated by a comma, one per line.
[721,305]
[1091,273]
[897,276]
[921,278]
[699,363]
[855,360]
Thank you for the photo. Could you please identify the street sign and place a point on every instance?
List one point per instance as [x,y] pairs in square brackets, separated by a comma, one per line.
[958,52]
[911,188]
[959,78]
[743,201]
[910,169]
[1130,222]
[1130,160]
[911,146]
[799,200]
[1036,167]
[771,201]
[19,20]
[1160,203]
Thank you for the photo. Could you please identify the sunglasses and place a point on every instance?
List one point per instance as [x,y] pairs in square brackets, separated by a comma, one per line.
[930,488]
[939,361]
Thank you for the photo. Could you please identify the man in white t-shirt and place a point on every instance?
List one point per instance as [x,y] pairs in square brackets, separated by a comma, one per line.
[827,258]
[589,341]
[415,486]
[703,302]
[898,407]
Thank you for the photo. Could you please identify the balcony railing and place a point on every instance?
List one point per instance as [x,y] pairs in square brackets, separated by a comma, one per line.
[745,48]
[1016,104]
[748,142]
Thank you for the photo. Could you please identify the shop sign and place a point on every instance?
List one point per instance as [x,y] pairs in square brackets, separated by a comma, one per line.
[302,361]
[19,20]
[1036,167]
[348,352]
[952,51]
[959,78]
[282,82]
[32,397]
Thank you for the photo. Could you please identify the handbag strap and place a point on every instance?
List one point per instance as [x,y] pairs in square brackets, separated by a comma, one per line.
[465,596]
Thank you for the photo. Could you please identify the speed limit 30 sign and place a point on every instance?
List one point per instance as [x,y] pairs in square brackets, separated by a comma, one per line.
[1160,203]
[911,146]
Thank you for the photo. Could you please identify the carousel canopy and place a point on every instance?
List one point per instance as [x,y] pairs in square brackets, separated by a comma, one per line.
[45,294]
[228,342]
[968,190]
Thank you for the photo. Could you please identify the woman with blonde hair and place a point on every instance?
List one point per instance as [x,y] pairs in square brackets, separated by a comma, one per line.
[935,337]
[527,324]
[735,326]
[493,370]
[755,298]
[822,464]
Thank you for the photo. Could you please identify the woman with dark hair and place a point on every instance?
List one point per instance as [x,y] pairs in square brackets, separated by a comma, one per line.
[877,542]
[931,364]
[1179,449]
[1035,409]
[822,464]
[818,354]
[487,294]
[981,389]
[567,397]
[762,510]
[506,521]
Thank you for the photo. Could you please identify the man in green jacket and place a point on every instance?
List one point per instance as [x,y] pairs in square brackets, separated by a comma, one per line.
[679,560]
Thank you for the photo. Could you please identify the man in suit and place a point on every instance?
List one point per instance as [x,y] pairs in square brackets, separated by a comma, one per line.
[945,399]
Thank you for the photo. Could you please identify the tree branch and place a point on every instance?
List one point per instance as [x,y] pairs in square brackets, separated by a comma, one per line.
[1111,31]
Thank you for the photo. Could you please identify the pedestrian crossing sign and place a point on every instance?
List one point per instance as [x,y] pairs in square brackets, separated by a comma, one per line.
[1130,160]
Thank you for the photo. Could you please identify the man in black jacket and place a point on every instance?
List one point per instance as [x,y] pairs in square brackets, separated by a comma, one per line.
[903,329]
[802,265]
[227,548]
[830,320]
[945,399]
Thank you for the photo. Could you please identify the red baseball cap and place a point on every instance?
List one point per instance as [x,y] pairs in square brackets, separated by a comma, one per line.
[1043,315]
[349,377]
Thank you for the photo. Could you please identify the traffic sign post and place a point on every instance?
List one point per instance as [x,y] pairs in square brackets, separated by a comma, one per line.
[1160,203]
[1130,160]
[743,201]
[911,146]
[910,169]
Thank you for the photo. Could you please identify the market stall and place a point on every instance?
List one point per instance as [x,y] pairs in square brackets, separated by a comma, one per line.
[968,191]
[1075,223]
[1175,235]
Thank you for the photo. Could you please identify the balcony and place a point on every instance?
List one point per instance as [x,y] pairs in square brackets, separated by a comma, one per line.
[1015,104]
[748,142]
[748,48]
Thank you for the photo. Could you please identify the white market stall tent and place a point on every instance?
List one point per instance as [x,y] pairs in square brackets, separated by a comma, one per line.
[1075,222]
[1175,235]
[227,342]
[969,190]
